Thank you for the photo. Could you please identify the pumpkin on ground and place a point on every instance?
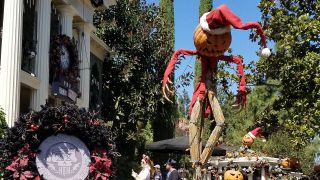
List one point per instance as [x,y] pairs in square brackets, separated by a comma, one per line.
[285,163]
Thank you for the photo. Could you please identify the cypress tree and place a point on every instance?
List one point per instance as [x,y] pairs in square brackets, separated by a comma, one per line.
[204,6]
[163,124]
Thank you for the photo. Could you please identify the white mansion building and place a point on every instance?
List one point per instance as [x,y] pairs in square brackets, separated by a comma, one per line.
[29,76]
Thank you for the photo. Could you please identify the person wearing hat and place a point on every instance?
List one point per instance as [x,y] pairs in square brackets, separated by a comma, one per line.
[171,168]
[157,175]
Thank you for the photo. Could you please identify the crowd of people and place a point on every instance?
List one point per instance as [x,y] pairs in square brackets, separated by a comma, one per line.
[153,172]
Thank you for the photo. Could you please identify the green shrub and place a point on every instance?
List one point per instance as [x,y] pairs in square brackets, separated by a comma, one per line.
[3,124]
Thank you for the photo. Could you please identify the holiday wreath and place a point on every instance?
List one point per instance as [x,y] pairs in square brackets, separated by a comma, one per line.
[20,145]
[64,60]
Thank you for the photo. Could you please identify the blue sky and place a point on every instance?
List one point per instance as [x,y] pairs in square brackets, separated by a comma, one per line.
[186,20]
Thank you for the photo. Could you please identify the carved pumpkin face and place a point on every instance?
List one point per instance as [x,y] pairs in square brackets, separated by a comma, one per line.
[285,163]
[233,175]
[247,140]
[211,45]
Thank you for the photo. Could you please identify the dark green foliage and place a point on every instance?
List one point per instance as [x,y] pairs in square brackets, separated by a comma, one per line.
[163,124]
[183,104]
[294,26]
[204,6]
[167,17]
[50,121]
[279,141]
[239,123]
[3,123]
[132,78]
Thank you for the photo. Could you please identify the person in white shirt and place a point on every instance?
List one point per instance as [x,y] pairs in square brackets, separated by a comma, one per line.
[147,169]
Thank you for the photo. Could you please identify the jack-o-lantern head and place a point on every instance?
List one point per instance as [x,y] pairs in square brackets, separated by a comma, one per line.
[247,140]
[212,37]
[285,163]
[211,45]
[233,175]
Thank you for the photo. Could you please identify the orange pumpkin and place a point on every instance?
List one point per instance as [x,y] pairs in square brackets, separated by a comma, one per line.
[247,140]
[285,163]
[211,45]
[233,175]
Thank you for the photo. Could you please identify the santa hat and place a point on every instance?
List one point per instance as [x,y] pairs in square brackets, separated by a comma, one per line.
[254,132]
[220,21]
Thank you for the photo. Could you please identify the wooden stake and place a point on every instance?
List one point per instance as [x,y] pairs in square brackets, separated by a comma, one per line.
[218,117]
[194,131]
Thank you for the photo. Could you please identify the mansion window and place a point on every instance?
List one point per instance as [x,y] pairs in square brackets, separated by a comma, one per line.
[55,26]
[95,82]
[29,36]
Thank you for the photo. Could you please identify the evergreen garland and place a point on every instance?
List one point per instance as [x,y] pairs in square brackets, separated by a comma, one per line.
[20,143]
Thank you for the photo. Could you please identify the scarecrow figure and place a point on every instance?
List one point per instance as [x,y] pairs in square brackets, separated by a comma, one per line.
[212,38]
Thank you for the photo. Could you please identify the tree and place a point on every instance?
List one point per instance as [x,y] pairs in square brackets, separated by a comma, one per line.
[294,26]
[132,96]
[183,104]
[279,143]
[167,17]
[163,124]
[286,106]
[239,123]
[204,6]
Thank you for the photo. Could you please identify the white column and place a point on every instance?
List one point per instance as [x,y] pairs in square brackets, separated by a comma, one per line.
[11,54]
[250,176]
[40,96]
[84,55]
[66,17]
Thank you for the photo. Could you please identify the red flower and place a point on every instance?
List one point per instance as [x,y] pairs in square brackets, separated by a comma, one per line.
[95,122]
[21,161]
[34,127]
[13,165]
[100,165]
[65,118]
